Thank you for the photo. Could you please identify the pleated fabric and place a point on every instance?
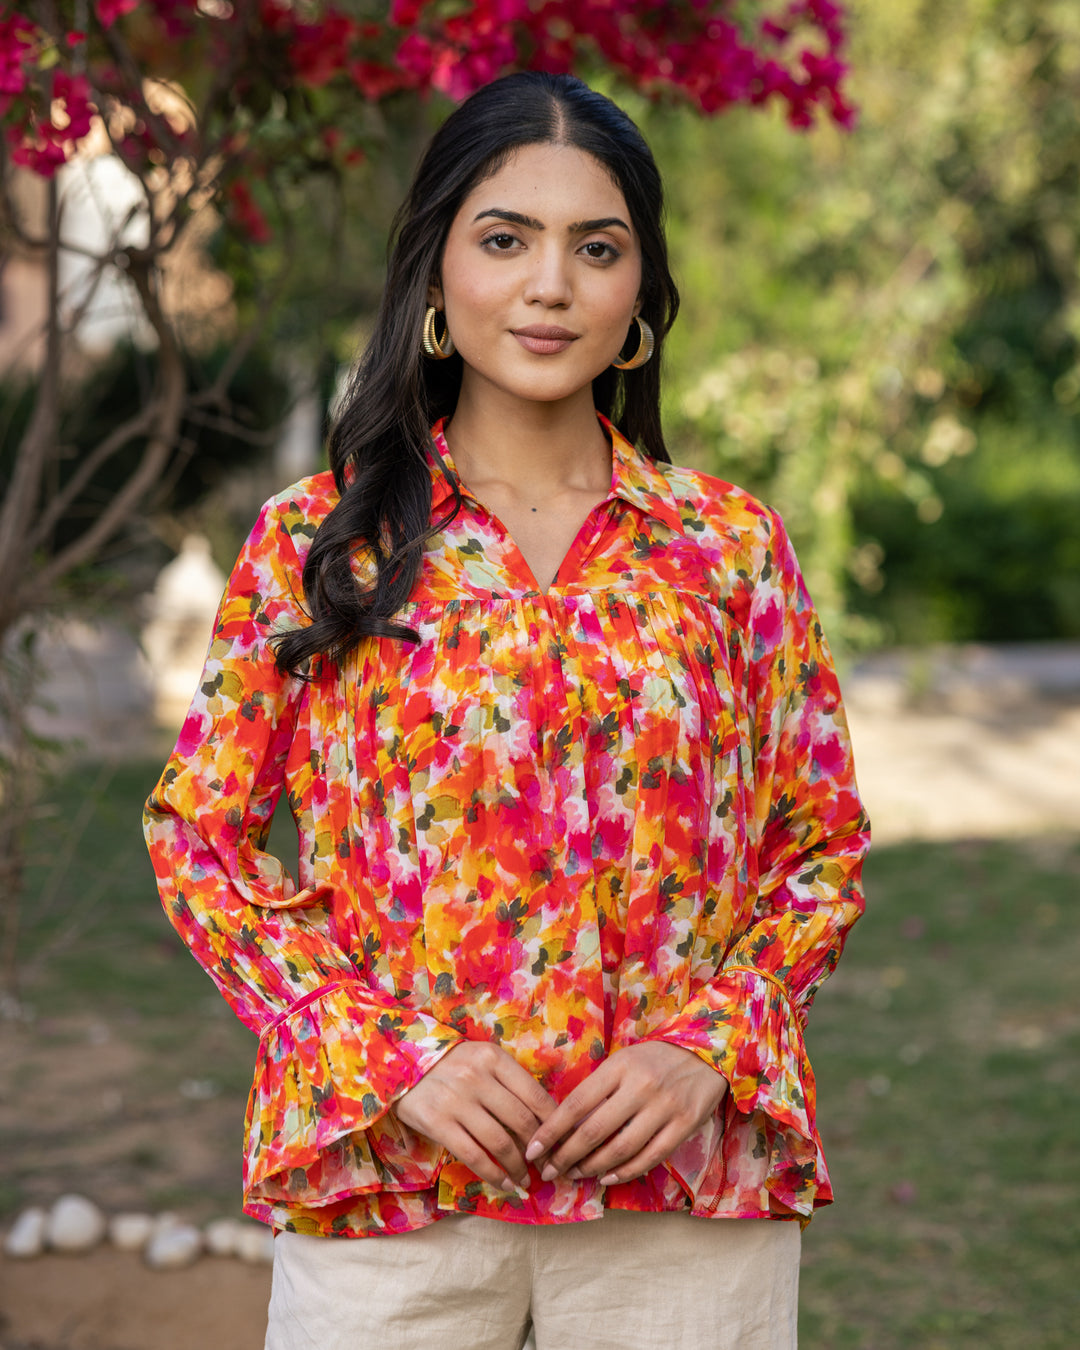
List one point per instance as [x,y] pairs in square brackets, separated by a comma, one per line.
[622,809]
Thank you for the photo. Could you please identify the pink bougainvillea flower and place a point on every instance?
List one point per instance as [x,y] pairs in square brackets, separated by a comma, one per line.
[702,52]
[375,80]
[108,11]
[16,45]
[43,156]
[72,92]
[405,13]
[246,213]
[321,50]
[415,58]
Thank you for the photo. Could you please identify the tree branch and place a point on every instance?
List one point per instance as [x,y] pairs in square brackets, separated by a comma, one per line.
[231,427]
[166,410]
[140,423]
[125,62]
[9,212]
[21,498]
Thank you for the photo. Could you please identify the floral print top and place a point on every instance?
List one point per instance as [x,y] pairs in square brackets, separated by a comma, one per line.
[622,809]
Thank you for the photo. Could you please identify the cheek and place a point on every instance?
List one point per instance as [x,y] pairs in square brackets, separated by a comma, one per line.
[472,296]
[617,308]
[456,275]
[614,298]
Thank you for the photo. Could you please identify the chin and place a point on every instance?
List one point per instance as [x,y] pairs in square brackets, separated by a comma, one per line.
[550,396]
[543,386]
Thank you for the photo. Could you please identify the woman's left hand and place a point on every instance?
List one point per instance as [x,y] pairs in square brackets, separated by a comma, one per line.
[631,1113]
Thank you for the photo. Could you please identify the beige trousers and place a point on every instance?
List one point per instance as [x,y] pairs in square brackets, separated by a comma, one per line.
[624,1282]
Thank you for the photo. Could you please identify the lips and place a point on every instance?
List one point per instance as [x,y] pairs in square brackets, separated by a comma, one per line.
[539,330]
[543,339]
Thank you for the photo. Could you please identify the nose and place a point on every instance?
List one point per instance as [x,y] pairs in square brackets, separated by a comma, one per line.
[547,281]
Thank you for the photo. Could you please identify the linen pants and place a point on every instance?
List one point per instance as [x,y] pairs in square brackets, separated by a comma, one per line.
[627,1281]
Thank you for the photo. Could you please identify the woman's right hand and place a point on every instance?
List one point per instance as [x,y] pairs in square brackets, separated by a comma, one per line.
[481,1105]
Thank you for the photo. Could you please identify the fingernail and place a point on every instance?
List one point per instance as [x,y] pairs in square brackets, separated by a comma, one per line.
[534,1150]
[508,1185]
[576,1173]
[609,1179]
[549,1173]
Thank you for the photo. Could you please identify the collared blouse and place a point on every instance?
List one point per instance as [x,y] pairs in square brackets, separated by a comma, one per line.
[567,821]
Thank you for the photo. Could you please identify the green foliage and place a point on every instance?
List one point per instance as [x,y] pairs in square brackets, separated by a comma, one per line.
[1000,563]
[881,331]
[324,261]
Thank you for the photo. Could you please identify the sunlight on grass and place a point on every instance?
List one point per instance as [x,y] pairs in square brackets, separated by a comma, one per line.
[945,1049]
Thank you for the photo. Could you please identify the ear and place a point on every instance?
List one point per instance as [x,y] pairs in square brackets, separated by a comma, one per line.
[435,295]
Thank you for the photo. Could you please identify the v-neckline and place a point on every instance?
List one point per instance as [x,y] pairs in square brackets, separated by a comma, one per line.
[576,551]
[512,550]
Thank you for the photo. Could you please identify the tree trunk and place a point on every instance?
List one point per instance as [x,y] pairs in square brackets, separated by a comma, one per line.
[34,581]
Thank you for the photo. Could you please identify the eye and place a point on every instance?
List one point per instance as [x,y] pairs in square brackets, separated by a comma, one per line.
[499,242]
[601,250]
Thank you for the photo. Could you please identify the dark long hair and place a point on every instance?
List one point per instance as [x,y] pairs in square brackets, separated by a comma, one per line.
[378,446]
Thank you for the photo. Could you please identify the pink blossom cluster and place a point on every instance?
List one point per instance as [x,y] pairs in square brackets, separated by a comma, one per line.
[45,111]
[692,50]
[697,51]
[108,11]
[337,45]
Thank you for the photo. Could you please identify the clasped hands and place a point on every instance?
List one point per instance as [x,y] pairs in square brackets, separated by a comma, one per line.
[631,1113]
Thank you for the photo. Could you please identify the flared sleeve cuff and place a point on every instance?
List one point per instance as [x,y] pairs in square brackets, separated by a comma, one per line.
[743,1025]
[328,1070]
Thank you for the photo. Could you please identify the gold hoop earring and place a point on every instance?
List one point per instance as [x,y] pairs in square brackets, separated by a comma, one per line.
[645,347]
[432,347]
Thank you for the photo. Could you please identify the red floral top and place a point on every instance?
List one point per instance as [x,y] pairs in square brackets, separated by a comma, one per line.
[623,809]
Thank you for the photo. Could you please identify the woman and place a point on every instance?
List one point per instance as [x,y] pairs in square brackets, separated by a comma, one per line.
[579,832]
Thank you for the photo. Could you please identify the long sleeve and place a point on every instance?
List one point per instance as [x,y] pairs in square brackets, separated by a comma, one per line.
[563,822]
[335,1051]
[809,835]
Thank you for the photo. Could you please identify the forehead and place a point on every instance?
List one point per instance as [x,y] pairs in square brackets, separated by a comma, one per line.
[559,180]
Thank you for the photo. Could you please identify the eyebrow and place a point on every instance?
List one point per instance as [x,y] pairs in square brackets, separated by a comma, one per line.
[531,223]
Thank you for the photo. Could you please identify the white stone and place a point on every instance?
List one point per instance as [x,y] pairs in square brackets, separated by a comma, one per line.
[181,613]
[172,1246]
[220,1236]
[199,1089]
[26,1237]
[255,1244]
[131,1232]
[75,1224]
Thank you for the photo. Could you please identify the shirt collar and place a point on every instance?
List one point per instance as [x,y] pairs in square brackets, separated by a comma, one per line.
[635,478]
[639,480]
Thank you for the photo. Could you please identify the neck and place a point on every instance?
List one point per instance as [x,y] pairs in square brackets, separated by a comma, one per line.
[537,448]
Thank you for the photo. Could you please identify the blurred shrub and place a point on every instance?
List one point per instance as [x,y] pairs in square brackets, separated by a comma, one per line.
[881,332]
[999,562]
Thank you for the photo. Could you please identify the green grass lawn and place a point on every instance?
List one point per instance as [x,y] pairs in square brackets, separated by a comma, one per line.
[947,1051]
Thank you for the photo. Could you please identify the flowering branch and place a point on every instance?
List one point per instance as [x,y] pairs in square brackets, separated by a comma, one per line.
[54,78]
